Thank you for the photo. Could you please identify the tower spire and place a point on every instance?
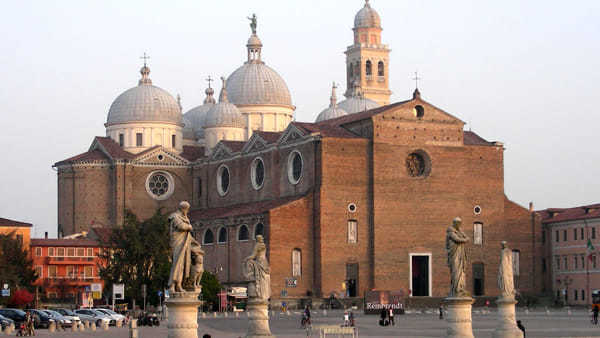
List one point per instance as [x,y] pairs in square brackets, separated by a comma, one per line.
[254,44]
[209,92]
[145,71]
[333,99]
[223,95]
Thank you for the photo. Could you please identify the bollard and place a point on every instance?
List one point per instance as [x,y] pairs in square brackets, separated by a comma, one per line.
[82,326]
[74,326]
[526,311]
[87,324]
[133,331]
[215,314]
[119,323]
[93,326]
[569,312]
[105,325]
[52,327]
[324,313]
[225,314]
[203,314]
[9,329]
[237,315]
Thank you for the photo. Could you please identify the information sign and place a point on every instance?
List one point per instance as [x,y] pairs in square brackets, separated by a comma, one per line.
[119,291]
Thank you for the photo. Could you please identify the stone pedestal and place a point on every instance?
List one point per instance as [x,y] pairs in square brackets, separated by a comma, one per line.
[183,314]
[258,319]
[459,317]
[507,324]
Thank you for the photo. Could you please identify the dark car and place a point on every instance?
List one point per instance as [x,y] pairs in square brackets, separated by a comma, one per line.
[40,318]
[18,316]
[4,322]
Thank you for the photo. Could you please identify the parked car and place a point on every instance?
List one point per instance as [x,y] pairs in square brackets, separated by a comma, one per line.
[18,316]
[72,316]
[62,320]
[5,322]
[93,316]
[40,318]
[113,315]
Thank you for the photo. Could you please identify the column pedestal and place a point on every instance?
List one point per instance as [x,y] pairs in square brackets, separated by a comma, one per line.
[258,319]
[183,314]
[459,317]
[507,324]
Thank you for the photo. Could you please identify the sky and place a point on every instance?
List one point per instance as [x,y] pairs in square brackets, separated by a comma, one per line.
[525,73]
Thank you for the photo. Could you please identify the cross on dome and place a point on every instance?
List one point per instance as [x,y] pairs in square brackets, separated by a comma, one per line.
[145,71]
[145,57]
[209,80]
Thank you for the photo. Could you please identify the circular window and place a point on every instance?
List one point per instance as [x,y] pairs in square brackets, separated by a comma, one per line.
[352,207]
[160,185]
[418,164]
[477,210]
[295,165]
[161,157]
[223,180]
[419,111]
[257,173]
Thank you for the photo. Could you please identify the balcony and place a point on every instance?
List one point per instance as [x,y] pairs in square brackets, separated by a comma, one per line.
[71,260]
[72,280]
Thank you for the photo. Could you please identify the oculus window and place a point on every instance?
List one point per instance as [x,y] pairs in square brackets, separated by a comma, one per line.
[160,185]
[223,180]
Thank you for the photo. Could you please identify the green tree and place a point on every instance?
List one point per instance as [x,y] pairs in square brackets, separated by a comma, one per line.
[139,254]
[16,265]
[210,287]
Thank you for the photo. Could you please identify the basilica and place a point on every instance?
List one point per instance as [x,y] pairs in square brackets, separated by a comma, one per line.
[357,200]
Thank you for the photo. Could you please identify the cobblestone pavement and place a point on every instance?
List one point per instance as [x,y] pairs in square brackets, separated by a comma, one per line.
[538,324]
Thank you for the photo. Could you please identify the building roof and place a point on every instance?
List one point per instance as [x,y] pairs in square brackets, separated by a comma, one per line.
[269,136]
[367,17]
[553,215]
[102,234]
[234,146]
[5,222]
[64,242]
[92,155]
[192,153]
[242,209]
[255,83]
[113,149]
[472,139]
[326,130]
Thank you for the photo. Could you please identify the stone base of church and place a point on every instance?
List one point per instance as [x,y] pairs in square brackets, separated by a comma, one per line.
[258,319]
[507,324]
[183,314]
[459,317]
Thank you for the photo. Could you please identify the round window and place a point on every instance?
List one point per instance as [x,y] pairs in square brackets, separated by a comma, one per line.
[257,173]
[418,164]
[352,207]
[477,210]
[223,180]
[419,111]
[159,185]
[295,166]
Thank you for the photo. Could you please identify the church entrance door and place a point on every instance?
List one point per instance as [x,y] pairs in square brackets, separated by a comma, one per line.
[478,273]
[420,275]
[352,279]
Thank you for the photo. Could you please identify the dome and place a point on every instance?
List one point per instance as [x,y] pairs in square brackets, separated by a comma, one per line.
[224,113]
[357,104]
[197,115]
[367,17]
[188,130]
[144,103]
[333,110]
[256,83]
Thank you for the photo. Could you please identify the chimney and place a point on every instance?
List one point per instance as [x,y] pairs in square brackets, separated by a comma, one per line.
[530,206]
[46,235]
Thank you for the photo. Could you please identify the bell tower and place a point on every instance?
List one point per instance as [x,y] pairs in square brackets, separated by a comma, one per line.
[367,60]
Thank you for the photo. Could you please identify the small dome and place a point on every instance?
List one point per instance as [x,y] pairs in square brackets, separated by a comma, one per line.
[224,114]
[356,104]
[188,130]
[367,17]
[254,41]
[257,83]
[333,110]
[197,115]
[144,103]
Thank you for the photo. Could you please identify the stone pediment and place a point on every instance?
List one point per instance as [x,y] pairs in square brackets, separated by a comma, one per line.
[418,110]
[159,156]
[220,152]
[254,144]
[291,135]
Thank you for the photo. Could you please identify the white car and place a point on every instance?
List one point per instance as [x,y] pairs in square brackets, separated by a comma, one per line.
[91,315]
[113,315]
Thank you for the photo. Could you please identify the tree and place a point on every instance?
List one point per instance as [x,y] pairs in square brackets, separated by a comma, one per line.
[16,265]
[139,254]
[210,287]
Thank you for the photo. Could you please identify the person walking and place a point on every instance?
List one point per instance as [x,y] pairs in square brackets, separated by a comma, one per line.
[346,318]
[595,311]
[383,320]
[351,319]
[391,316]
[441,309]
[521,327]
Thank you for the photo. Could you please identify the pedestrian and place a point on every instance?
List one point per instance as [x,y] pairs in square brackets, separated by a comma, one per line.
[521,327]
[351,319]
[346,319]
[441,309]
[595,310]
[391,316]
[383,320]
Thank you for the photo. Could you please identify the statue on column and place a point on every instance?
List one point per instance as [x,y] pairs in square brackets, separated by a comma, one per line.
[505,273]
[258,272]
[253,23]
[457,259]
[185,249]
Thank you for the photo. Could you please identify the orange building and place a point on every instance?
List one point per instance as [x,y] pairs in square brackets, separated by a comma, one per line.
[67,267]
[22,230]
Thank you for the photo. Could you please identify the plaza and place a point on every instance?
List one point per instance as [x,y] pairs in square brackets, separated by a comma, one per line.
[538,323]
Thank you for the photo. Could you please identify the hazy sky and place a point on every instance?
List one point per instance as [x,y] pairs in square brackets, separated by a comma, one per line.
[526,73]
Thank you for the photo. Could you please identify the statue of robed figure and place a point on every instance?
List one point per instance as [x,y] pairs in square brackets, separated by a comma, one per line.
[505,273]
[253,23]
[183,246]
[258,272]
[457,259]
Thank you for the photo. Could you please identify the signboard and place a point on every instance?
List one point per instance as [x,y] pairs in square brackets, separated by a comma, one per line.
[5,292]
[5,286]
[119,291]
[375,301]
[96,287]
[96,295]
[291,282]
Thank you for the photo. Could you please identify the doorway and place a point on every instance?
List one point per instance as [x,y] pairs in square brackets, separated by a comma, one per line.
[478,279]
[420,270]
[352,279]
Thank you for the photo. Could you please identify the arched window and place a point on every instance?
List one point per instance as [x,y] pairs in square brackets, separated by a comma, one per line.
[380,69]
[369,68]
[296,263]
[350,69]
[222,235]
[357,68]
[209,238]
[259,229]
[243,233]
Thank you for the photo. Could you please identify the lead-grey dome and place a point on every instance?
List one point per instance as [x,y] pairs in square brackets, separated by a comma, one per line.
[257,83]
[197,115]
[357,104]
[333,110]
[224,113]
[144,103]
[367,17]
[189,133]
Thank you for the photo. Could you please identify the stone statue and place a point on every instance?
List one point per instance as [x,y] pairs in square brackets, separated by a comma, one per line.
[253,23]
[183,245]
[505,273]
[257,271]
[457,259]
